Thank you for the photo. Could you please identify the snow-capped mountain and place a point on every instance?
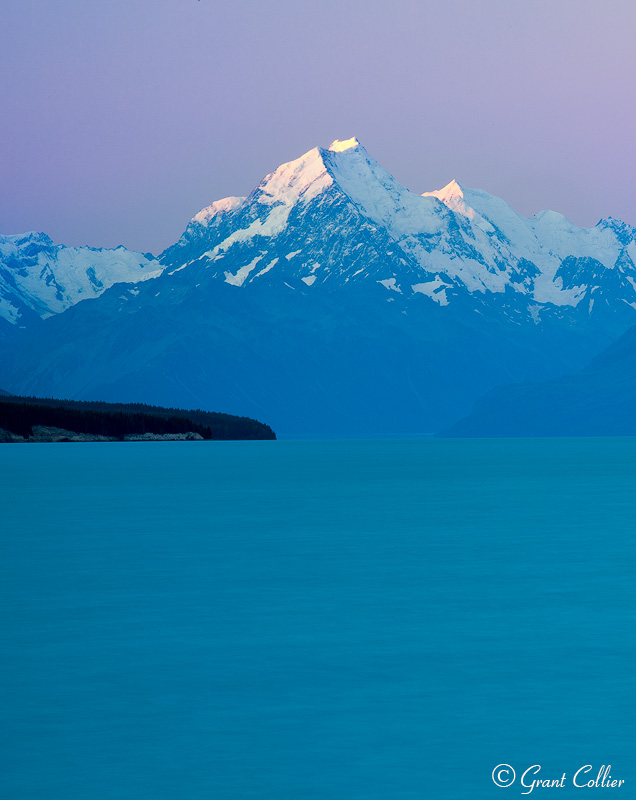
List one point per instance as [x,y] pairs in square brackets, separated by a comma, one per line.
[333,300]
[439,244]
[39,278]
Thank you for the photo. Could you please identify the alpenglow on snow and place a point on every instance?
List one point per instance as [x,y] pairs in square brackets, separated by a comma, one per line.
[438,244]
[333,300]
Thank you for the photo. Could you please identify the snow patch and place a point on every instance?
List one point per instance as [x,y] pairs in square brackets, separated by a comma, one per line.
[435,289]
[238,279]
[267,268]
[273,224]
[8,311]
[389,283]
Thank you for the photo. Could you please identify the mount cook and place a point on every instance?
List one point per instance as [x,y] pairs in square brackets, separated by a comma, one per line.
[331,301]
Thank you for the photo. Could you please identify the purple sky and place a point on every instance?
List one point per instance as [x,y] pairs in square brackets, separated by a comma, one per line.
[120,119]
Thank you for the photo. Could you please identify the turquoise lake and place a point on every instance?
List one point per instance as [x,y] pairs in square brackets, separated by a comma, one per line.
[347,620]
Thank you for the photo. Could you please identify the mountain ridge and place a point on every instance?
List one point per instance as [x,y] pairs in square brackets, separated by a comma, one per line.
[431,239]
[333,300]
[598,400]
[39,278]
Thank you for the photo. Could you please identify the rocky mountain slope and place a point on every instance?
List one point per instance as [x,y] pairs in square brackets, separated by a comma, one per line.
[39,278]
[334,216]
[334,301]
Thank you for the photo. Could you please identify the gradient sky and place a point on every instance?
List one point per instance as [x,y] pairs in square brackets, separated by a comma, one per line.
[120,119]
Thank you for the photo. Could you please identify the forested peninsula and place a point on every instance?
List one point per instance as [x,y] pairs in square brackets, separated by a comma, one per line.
[37,419]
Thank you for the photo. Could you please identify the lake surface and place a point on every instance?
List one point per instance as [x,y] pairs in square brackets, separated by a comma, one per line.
[374,620]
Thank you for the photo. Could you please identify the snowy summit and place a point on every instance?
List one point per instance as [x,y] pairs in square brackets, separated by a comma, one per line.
[266,303]
[340,145]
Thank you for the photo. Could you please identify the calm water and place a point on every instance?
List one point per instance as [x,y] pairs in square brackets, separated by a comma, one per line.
[337,620]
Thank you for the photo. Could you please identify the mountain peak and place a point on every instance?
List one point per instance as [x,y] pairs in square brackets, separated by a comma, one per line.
[340,145]
[624,232]
[20,239]
[452,191]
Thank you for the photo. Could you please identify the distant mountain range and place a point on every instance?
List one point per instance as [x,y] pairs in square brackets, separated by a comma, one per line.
[331,301]
[599,400]
[39,278]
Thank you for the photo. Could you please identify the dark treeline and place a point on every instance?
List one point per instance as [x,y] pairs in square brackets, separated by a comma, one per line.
[20,414]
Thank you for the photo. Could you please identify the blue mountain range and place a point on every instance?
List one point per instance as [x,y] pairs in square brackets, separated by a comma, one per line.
[332,301]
